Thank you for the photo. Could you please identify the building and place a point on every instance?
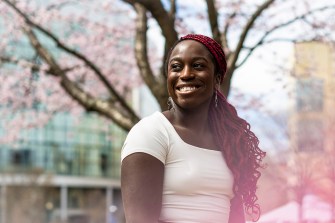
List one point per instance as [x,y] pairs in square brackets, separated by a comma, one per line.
[312,117]
[66,171]
[312,121]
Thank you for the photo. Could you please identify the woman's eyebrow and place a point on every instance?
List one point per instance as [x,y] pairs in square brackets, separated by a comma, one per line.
[193,59]
[200,58]
[174,59]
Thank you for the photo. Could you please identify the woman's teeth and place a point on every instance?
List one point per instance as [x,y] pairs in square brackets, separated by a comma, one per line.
[186,89]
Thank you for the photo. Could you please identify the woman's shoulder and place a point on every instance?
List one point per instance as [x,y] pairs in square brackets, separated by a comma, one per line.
[156,116]
[150,136]
[153,120]
[153,123]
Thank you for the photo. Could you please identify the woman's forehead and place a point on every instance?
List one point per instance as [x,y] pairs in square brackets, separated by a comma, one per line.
[189,47]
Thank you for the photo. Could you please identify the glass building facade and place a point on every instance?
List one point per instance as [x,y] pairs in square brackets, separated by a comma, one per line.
[89,146]
[79,158]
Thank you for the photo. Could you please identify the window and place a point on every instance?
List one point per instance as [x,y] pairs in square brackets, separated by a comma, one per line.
[309,93]
[21,157]
[310,136]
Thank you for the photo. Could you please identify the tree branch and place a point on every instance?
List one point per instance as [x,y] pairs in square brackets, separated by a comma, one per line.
[33,66]
[172,15]
[234,56]
[57,69]
[225,34]
[28,64]
[173,10]
[59,6]
[142,54]
[91,103]
[262,41]
[85,99]
[213,20]
[162,17]
[42,52]
[89,64]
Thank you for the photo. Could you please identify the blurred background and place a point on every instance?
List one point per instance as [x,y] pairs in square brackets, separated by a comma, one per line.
[75,76]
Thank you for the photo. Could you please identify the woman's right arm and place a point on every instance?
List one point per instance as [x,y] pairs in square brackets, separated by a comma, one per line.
[142,178]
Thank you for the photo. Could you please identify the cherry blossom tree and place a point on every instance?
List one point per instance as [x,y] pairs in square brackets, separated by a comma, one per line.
[86,55]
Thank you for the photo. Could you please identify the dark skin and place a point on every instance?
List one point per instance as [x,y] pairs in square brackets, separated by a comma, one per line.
[142,184]
[191,83]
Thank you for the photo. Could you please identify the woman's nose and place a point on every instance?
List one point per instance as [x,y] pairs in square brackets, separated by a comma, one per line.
[186,73]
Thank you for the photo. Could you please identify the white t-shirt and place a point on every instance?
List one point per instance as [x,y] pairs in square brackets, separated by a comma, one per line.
[197,181]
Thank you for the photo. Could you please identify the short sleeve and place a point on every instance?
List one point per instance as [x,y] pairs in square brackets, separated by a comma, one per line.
[147,136]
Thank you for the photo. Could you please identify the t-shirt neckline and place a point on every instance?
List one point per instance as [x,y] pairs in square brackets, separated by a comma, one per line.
[170,126]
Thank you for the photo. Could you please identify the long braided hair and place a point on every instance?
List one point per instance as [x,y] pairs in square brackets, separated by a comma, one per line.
[232,134]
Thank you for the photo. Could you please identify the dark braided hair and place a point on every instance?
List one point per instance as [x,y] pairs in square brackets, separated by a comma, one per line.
[232,134]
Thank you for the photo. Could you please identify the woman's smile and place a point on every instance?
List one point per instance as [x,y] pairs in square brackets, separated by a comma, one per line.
[187,88]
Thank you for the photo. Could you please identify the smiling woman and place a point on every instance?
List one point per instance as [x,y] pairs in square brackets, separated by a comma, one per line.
[190,77]
[197,162]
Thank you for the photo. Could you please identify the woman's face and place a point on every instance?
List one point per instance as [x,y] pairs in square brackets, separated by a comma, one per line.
[190,75]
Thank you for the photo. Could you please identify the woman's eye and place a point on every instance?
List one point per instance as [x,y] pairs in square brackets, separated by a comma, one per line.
[175,67]
[198,65]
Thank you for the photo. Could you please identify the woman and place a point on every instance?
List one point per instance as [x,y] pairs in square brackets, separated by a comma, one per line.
[198,161]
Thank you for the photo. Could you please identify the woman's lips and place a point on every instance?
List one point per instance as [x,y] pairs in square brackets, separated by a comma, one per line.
[186,89]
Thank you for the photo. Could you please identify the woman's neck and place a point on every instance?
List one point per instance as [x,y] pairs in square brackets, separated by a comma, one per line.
[197,119]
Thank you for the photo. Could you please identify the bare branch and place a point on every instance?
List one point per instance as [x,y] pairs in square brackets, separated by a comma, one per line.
[275,28]
[225,34]
[28,64]
[234,56]
[33,66]
[173,10]
[90,64]
[142,54]
[141,45]
[162,17]
[59,6]
[246,30]
[85,99]
[57,69]
[251,50]
[213,19]
[172,15]
[91,103]
[44,54]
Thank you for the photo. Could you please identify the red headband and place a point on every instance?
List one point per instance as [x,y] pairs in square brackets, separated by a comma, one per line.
[214,48]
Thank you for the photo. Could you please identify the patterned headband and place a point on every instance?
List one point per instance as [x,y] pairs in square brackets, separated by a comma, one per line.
[214,48]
